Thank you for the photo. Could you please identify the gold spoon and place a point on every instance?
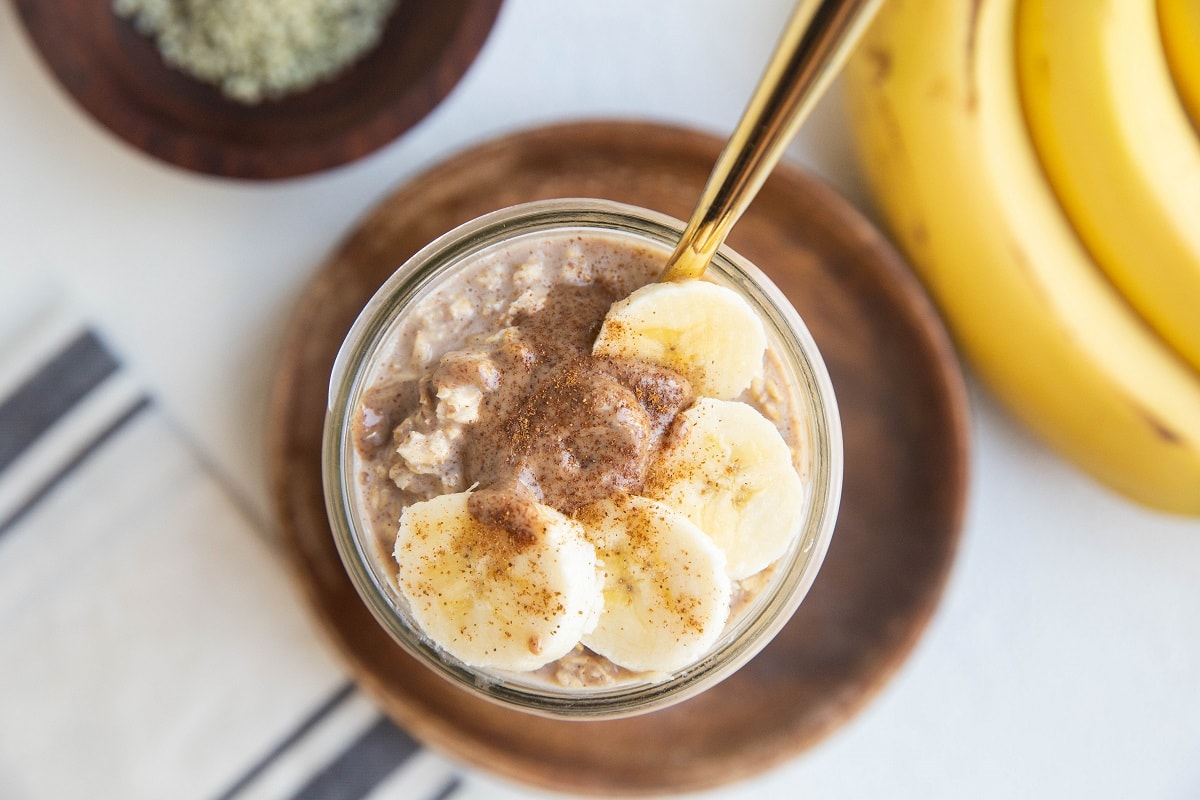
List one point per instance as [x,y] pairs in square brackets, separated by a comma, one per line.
[818,37]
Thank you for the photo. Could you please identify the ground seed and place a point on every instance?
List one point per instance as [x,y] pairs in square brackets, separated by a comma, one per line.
[259,49]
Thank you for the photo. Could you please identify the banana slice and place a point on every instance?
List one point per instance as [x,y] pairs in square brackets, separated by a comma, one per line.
[666,594]
[491,598]
[705,332]
[729,470]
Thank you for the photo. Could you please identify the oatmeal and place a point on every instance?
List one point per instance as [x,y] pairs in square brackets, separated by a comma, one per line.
[530,395]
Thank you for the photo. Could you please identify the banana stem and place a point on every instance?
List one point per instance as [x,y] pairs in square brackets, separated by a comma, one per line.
[814,45]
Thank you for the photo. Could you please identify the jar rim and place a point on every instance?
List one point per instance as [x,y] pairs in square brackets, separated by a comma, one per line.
[403,289]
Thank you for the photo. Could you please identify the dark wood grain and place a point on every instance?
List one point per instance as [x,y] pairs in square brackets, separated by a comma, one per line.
[118,77]
[905,419]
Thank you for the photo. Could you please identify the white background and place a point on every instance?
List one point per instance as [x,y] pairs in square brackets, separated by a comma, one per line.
[1065,658]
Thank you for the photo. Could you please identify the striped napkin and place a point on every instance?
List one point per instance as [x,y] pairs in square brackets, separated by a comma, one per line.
[151,644]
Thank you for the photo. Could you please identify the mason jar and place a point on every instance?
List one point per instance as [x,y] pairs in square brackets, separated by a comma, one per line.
[816,449]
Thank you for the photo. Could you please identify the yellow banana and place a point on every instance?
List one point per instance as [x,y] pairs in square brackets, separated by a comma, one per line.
[1179,24]
[1119,150]
[934,107]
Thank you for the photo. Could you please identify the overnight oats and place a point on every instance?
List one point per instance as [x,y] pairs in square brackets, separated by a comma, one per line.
[570,487]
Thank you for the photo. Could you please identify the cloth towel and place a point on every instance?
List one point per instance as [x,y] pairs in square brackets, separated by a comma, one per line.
[151,643]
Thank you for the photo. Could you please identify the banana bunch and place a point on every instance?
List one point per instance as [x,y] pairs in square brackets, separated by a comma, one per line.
[1036,162]
[1179,22]
[644,580]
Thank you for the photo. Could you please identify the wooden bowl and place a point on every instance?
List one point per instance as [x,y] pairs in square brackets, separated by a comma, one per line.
[117,75]
[904,415]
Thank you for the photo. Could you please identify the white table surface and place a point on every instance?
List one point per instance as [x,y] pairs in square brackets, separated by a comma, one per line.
[1065,658]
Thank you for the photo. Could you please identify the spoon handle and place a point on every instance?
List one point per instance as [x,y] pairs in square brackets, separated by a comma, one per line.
[815,43]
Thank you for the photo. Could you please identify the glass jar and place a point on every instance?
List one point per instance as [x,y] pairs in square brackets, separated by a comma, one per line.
[819,456]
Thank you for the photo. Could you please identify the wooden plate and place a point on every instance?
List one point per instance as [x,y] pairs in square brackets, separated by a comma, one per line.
[905,419]
[117,75]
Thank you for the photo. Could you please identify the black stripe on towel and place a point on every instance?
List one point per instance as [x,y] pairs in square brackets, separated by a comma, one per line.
[307,725]
[363,766]
[52,391]
[448,789]
[75,461]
